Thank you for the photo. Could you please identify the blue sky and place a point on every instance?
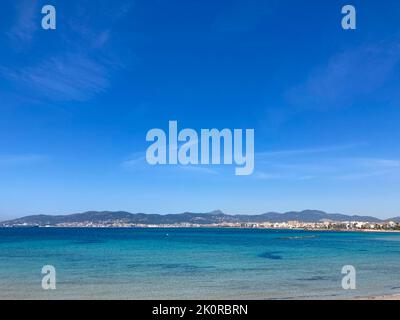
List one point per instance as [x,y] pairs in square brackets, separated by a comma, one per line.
[76,104]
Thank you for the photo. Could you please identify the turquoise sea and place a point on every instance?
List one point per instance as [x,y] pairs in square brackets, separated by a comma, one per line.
[195,263]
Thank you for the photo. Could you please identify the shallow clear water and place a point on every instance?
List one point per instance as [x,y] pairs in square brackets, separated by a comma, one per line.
[196,263]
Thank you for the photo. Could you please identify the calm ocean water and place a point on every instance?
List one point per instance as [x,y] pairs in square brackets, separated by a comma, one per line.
[196,263]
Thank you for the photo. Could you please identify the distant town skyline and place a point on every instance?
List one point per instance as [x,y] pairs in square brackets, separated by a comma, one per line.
[76,104]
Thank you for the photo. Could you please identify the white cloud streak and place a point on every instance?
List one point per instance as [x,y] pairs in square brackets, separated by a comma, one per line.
[62,78]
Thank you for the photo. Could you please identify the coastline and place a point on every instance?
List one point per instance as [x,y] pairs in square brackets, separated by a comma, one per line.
[393,297]
[202,227]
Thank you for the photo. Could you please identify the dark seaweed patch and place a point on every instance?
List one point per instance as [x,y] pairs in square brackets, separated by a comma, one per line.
[314,278]
[270,255]
[174,267]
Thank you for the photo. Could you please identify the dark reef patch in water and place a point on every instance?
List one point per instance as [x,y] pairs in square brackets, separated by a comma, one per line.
[251,269]
[270,255]
[172,267]
[315,278]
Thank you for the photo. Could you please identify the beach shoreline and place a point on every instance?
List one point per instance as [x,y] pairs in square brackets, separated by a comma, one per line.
[205,227]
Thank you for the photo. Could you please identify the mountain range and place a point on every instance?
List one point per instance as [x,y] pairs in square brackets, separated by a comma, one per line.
[216,216]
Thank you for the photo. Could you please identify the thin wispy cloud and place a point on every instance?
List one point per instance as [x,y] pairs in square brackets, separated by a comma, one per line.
[329,169]
[138,161]
[307,151]
[281,176]
[26,22]
[79,68]
[139,158]
[347,77]
[361,175]
[303,164]
[135,161]
[63,78]
[364,168]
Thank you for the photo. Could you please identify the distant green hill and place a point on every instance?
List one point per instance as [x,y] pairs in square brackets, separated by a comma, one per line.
[187,217]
